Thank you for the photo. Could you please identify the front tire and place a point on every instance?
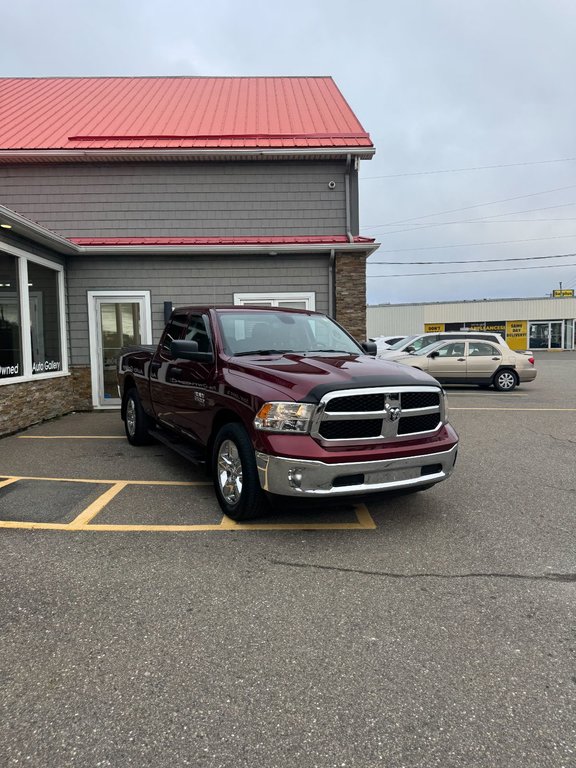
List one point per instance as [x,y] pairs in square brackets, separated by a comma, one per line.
[235,474]
[505,381]
[136,420]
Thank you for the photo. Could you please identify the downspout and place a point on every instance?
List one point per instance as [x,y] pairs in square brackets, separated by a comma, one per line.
[331,284]
[347,197]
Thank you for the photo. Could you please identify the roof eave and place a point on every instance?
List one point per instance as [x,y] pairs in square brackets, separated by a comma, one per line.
[270,249]
[24,227]
[189,153]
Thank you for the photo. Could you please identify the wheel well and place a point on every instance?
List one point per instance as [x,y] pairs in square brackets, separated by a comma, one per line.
[129,384]
[509,370]
[221,418]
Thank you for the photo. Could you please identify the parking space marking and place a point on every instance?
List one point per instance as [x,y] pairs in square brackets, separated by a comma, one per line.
[82,522]
[9,481]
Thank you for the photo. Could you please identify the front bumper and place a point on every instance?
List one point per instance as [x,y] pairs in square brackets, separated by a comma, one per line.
[304,477]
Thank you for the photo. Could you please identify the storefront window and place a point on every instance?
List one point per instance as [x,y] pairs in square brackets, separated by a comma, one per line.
[10,322]
[31,318]
[44,319]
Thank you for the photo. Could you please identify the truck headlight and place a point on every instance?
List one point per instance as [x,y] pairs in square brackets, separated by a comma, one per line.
[284,417]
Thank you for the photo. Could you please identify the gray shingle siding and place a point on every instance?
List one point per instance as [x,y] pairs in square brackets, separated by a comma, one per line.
[230,199]
[186,280]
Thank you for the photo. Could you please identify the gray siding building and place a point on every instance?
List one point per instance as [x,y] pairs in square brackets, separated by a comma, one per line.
[113,209]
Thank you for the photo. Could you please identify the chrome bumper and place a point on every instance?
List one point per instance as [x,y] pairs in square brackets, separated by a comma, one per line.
[295,477]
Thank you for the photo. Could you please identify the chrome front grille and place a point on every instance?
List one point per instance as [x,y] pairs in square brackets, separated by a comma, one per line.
[377,414]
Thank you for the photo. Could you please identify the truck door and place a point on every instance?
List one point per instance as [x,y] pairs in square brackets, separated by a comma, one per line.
[164,372]
[195,382]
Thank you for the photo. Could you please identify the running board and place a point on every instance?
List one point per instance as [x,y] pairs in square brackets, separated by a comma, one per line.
[184,449]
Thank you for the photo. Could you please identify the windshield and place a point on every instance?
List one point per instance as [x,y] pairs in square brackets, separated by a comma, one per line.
[404,342]
[247,333]
[425,350]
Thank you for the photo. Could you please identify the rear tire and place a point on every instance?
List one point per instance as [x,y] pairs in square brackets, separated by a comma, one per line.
[136,420]
[505,380]
[235,475]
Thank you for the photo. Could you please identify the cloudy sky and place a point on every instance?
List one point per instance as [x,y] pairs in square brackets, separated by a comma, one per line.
[470,103]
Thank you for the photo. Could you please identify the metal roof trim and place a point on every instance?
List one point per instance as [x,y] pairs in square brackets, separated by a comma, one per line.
[240,250]
[36,232]
[183,154]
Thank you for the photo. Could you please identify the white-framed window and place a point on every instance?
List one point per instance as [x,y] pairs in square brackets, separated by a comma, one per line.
[32,324]
[300,300]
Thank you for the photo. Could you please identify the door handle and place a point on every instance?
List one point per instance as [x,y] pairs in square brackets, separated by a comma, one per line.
[461,359]
[496,358]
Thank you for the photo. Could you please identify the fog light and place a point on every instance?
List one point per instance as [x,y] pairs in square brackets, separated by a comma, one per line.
[295,477]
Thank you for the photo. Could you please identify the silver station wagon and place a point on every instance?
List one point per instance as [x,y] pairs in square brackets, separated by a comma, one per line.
[472,361]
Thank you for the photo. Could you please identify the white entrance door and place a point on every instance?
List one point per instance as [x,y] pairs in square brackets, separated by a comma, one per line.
[117,319]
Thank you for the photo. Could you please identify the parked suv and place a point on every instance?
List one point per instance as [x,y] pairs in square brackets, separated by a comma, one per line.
[418,342]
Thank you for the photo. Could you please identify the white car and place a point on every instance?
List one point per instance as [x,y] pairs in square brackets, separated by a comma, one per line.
[385,342]
[417,342]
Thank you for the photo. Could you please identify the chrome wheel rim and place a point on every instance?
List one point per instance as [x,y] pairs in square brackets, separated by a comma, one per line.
[131,417]
[506,381]
[229,472]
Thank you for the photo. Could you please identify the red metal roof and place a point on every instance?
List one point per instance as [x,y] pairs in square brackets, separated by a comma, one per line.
[268,240]
[109,113]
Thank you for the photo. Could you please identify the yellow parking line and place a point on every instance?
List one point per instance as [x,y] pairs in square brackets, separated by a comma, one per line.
[10,480]
[35,526]
[364,521]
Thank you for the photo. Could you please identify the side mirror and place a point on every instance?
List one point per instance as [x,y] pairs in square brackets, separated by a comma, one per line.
[434,354]
[409,350]
[370,347]
[188,350]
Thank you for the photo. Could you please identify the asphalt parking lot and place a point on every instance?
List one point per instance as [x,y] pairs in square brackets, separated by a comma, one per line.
[141,628]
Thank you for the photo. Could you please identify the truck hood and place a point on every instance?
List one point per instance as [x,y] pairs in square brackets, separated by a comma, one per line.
[308,377]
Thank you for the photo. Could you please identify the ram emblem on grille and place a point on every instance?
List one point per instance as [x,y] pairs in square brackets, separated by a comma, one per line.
[392,411]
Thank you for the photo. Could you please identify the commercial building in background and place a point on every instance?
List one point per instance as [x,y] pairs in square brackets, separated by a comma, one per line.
[121,197]
[532,323]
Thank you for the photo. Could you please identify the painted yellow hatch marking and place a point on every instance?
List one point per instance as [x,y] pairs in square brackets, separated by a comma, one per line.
[83,521]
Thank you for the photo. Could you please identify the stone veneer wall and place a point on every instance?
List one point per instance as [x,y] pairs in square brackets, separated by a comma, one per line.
[30,402]
[350,293]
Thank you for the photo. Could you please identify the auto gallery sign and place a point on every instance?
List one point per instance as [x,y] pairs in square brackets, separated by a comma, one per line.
[46,366]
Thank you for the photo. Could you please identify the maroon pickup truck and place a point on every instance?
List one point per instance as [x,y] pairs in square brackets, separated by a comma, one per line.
[285,402]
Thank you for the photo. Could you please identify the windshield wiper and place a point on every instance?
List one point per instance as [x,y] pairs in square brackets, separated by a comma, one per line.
[338,351]
[263,352]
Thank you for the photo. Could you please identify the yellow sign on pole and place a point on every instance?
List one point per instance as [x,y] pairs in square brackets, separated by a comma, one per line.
[565,293]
